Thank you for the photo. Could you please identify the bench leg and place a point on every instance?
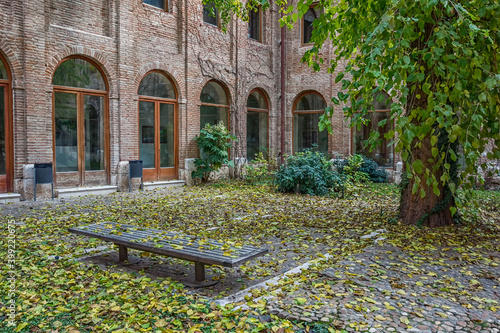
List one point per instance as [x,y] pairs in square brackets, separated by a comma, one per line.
[199,271]
[122,251]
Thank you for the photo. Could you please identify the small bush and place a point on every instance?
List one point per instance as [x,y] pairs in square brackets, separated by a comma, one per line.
[214,143]
[258,170]
[307,173]
[367,166]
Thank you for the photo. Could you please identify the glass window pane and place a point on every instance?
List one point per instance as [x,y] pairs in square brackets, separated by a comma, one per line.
[210,14]
[78,73]
[311,102]
[156,3]
[66,132]
[94,132]
[212,115]
[167,128]
[254,24]
[382,154]
[308,25]
[257,134]
[306,133]
[213,93]
[156,85]
[256,101]
[3,71]
[3,155]
[147,133]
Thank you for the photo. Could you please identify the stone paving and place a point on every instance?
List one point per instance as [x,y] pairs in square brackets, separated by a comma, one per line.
[384,289]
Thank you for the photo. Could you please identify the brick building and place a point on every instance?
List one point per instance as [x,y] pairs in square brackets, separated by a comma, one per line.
[91,84]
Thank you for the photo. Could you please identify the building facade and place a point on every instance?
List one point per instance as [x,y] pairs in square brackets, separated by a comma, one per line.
[89,85]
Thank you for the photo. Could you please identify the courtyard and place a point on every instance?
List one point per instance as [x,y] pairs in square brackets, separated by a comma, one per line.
[334,265]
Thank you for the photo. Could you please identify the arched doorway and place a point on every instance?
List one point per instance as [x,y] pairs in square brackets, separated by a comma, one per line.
[81,124]
[257,125]
[306,112]
[158,131]
[6,133]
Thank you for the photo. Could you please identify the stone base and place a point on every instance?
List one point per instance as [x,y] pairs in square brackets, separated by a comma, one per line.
[9,198]
[82,191]
[163,184]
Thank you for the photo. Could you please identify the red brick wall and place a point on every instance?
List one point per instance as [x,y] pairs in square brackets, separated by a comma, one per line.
[127,39]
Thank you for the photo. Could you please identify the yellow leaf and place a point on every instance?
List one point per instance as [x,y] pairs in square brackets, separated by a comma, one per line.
[400,292]
[227,254]
[115,308]
[20,327]
[380,318]
[177,247]
[349,306]
[404,320]
[161,323]
[443,315]
[419,283]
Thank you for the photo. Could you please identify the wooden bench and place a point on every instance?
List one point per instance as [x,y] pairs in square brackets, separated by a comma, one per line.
[201,251]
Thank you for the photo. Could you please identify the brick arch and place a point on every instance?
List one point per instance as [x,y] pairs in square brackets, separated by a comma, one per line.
[169,71]
[303,93]
[224,85]
[110,74]
[13,62]
[264,90]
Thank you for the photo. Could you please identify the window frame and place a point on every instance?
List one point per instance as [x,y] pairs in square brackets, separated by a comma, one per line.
[353,131]
[159,173]
[80,93]
[165,2]
[261,25]
[217,105]
[295,111]
[302,26]
[9,126]
[267,111]
[217,15]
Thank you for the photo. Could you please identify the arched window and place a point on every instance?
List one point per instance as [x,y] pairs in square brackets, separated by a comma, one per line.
[214,105]
[81,130]
[158,135]
[306,113]
[382,154]
[6,142]
[307,25]
[257,125]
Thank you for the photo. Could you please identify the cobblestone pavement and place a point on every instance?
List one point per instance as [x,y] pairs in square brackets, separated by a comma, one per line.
[384,289]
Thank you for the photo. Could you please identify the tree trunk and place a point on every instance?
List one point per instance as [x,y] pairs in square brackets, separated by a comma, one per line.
[431,210]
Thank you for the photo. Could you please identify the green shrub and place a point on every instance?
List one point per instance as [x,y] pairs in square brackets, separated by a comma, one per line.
[258,170]
[307,173]
[214,143]
[363,164]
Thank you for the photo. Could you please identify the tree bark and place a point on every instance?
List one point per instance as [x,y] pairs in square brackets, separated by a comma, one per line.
[431,210]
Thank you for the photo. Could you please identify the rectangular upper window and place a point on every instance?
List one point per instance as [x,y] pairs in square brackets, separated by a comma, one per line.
[255,24]
[307,25]
[210,14]
[157,3]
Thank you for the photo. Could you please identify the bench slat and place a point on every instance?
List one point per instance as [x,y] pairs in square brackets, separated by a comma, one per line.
[135,237]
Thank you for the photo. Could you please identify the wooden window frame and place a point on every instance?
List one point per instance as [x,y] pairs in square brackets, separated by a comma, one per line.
[261,26]
[218,105]
[302,43]
[294,112]
[9,126]
[166,9]
[81,92]
[260,91]
[157,102]
[217,16]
